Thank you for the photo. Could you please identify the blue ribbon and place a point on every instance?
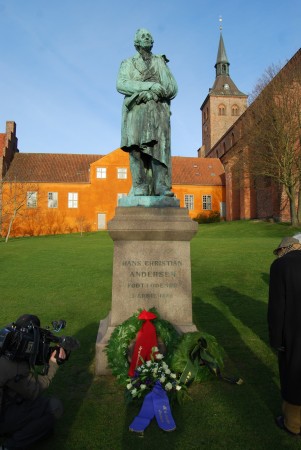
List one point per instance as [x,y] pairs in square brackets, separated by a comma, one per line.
[155,404]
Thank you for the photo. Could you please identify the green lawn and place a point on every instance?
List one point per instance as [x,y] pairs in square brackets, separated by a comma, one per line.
[70,277]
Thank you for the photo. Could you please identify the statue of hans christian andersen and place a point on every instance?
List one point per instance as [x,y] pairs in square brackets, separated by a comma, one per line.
[148,86]
[149,224]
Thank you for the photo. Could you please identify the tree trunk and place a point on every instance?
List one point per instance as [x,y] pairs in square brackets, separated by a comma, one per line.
[299,206]
[10,226]
[293,209]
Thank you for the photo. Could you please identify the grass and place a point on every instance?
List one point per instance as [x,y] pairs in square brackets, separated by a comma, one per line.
[70,277]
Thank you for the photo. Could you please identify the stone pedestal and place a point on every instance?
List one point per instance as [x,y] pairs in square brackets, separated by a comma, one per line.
[151,268]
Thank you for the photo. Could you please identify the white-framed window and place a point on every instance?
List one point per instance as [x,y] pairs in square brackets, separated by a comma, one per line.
[122,173]
[101,172]
[72,199]
[121,195]
[207,202]
[52,199]
[189,201]
[32,199]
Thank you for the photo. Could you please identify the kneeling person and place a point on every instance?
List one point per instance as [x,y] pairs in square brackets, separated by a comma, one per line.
[25,415]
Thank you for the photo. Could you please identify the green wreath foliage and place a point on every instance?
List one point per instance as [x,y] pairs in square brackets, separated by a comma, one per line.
[187,344]
[124,333]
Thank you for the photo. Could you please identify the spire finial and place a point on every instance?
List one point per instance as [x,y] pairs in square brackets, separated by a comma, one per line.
[221,23]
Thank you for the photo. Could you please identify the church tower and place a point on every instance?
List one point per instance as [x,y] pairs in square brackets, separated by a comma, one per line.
[223,105]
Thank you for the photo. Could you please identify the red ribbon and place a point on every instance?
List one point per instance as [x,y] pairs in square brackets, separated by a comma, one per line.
[146,339]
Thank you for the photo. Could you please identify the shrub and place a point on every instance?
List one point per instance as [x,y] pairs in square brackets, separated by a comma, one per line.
[213,216]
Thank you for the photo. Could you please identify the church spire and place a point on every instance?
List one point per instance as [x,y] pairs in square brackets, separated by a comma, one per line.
[224,103]
[223,84]
[222,63]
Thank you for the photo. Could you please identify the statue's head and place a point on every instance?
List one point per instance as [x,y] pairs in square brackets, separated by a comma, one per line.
[144,39]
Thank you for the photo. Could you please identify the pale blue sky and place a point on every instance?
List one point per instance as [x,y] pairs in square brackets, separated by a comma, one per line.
[60,58]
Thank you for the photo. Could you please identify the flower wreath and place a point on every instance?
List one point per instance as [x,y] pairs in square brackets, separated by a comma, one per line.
[153,380]
[125,333]
[178,348]
[183,352]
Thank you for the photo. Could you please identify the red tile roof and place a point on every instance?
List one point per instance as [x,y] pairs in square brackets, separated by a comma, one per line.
[2,143]
[51,168]
[197,171]
[66,168]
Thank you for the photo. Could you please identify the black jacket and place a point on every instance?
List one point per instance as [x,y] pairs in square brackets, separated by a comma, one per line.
[284,320]
[18,382]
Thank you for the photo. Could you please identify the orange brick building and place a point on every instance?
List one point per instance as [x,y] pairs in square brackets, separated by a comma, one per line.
[59,193]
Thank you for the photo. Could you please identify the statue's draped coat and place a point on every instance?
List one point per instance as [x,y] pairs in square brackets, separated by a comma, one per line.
[146,125]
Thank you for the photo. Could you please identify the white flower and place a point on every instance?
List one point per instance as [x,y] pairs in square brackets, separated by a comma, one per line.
[168,386]
[142,387]
[129,386]
[164,365]
[159,356]
[167,371]
[148,363]
[178,387]
[155,349]
[162,379]
[134,392]
[173,375]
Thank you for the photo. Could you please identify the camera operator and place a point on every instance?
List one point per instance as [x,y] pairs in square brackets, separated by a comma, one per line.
[25,415]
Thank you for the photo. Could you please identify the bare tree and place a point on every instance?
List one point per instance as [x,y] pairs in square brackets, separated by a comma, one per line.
[272,133]
[17,201]
[54,221]
[268,75]
[82,224]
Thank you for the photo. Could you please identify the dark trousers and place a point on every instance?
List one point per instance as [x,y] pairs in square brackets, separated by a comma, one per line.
[29,421]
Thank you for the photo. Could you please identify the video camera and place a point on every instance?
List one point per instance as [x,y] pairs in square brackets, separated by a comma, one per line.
[33,344]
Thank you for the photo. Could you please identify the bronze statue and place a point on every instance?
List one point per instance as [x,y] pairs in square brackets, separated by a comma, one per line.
[148,86]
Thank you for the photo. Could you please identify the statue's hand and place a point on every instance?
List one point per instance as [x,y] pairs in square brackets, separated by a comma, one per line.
[145,96]
[158,90]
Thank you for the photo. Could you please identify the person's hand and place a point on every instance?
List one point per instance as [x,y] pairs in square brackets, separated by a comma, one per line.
[58,354]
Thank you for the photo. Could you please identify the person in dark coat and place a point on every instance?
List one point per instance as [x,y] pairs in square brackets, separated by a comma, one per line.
[25,415]
[284,321]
